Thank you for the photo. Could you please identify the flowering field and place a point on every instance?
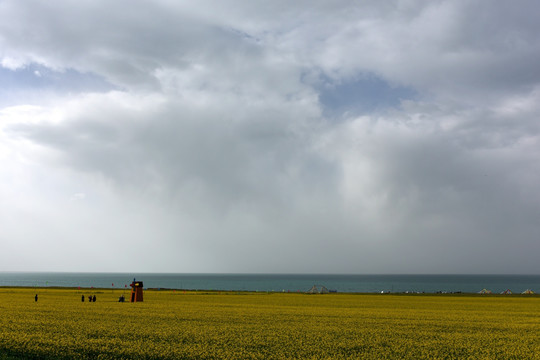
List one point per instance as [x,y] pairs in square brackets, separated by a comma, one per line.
[176,325]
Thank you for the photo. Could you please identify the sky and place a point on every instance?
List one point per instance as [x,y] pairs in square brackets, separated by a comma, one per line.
[270,136]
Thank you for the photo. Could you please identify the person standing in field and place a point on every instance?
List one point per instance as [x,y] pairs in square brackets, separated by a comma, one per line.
[89,298]
[35,298]
[82,298]
[94,298]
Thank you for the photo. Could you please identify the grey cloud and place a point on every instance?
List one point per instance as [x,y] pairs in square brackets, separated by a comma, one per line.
[216,144]
[124,44]
[235,156]
[440,48]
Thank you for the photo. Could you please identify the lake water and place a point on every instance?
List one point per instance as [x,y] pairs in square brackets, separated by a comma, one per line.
[280,282]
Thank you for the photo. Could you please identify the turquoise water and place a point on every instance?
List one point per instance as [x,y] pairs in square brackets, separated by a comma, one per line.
[280,282]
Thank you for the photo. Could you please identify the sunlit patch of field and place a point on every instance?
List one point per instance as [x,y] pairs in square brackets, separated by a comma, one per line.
[176,325]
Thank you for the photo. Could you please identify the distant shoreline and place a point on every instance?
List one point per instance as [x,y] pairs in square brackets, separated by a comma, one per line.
[280,283]
[240,292]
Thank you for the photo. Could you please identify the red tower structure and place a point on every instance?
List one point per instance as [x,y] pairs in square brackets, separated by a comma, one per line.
[136,291]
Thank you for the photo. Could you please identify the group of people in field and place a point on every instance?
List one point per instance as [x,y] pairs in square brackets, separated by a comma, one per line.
[90,298]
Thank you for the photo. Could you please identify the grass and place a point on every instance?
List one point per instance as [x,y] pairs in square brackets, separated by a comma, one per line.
[222,325]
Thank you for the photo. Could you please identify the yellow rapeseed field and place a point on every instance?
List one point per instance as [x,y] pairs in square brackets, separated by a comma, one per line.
[178,325]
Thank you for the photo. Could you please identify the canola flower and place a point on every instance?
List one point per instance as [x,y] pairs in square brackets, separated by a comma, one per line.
[174,325]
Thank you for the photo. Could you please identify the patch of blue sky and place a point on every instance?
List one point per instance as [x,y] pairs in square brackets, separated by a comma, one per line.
[364,94]
[34,79]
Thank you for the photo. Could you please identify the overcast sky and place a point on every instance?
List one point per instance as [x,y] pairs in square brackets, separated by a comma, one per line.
[270,136]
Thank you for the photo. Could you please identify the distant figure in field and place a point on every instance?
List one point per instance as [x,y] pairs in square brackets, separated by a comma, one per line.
[35,298]
[89,298]
[82,298]
[121,298]
[94,298]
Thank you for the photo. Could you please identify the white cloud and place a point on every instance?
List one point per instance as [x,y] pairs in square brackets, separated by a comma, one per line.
[78,197]
[11,63]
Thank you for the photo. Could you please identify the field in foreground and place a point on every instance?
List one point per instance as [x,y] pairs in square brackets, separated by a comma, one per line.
[175,325]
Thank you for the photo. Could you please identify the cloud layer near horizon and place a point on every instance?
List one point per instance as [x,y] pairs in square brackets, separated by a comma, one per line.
[270,137]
